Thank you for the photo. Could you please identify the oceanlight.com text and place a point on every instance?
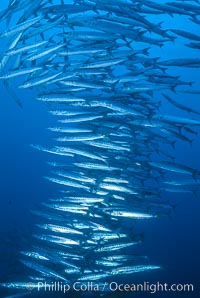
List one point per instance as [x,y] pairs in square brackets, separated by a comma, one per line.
[113,286]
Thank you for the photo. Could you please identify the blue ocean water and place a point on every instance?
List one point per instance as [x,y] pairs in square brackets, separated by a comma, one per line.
[171,241]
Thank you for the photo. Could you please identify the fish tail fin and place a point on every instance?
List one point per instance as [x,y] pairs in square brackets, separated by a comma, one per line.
[191,83]
[173,88]
[51,40]
[196,174]
[174,206]
[191,142]
[128,44]
[12,94]
[170,14]
[146,51]
[114,85]
[174,145]
[159,25]
[172,38]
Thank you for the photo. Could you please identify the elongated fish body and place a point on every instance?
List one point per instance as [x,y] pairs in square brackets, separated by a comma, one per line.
[43,270]
[95,166]
[44,53]
[67,182]
[53,151]
[186,34]
[18,285]
[20,27]
[103,64]
[133,269]
[77,177]
[181,106]
[116,246]
[82,52]
[169,166]
[40,30]
[127,214]
[13,44]
[115,187]
[25,48]
[59,229]
[81,118]
[34,255]
[117,108]
[107,235]
[69,208]
[107,145]
[69,130]
[97,276]
[80,138]
[70,150]
[85,200]
[19,73]
[57,239]
[61,99]
[37,82]
[87,35]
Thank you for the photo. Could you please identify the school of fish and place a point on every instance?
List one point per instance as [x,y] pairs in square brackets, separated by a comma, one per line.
[91,63]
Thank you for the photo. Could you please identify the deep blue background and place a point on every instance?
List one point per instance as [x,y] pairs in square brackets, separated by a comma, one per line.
[173,242]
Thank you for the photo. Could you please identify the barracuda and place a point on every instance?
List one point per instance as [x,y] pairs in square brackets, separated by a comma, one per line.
[128,214]
[20,27]
[17,73]
[37,81]
[56,239]
[25,48]
[67,182]
[80,138]
[80,153]
[133,269]
[115,246]
[43,270]
[98,70]
[59,229]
